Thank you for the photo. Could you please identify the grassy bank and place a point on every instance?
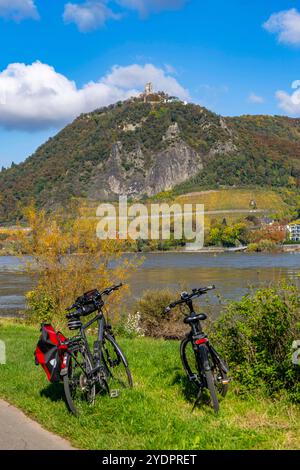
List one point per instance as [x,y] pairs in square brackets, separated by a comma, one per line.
[156,414]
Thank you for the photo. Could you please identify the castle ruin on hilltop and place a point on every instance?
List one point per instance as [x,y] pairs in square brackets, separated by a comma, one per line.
[152,97]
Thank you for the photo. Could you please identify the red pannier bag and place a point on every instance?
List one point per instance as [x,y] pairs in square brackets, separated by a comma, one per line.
[49,352]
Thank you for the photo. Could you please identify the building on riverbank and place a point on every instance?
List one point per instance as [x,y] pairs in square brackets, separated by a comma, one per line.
[294,231]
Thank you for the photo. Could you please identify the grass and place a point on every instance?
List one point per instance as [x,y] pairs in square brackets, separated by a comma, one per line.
[156,414]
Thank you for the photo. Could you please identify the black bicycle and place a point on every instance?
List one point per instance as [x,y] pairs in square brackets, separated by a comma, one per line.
[89,369]
[202,364]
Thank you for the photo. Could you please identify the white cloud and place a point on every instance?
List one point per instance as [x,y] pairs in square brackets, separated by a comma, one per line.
[286,24]
[290,103]
[256,99]
[35,96]
[18,10]
[90,15]
[170,69]
[296,84]
[144,7]
[93,14]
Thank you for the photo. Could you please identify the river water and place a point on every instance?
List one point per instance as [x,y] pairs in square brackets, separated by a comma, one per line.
[232,273]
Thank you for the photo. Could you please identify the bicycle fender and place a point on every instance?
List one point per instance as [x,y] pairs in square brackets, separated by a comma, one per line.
[120,352]
[203,357]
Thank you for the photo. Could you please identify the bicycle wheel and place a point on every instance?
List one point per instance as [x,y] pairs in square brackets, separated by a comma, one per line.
[78,388]
[188,360]
[193,371]
[115,363]
[221,380]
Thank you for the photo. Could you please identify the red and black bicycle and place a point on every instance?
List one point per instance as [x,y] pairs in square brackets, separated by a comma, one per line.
[203,365]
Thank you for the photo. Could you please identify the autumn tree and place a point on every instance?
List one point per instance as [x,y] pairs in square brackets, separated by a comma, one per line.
[67,259]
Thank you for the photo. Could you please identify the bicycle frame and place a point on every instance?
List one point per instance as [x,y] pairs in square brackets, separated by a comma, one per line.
[102,326]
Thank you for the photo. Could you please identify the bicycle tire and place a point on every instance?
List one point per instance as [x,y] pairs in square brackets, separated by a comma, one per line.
[78,384]
[212,390]
[116,364]
[190,365]
[188,360]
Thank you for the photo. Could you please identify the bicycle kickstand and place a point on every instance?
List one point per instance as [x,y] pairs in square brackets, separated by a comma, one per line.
[197,399]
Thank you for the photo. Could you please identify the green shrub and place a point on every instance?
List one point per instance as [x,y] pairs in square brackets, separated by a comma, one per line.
[154,321]
[266,246]
[256,336]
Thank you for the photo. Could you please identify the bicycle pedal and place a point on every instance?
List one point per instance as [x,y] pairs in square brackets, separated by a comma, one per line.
[193,378]
[226,381]
[114,393]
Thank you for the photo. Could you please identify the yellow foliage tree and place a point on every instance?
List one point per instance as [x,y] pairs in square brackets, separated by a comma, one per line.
[68,259]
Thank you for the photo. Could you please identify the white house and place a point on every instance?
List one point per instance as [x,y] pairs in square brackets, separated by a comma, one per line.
[294,231]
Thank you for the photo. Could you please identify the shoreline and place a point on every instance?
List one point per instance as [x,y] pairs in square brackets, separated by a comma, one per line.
[206,250]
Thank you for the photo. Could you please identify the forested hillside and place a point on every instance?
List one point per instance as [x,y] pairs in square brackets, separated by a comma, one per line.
[141,149]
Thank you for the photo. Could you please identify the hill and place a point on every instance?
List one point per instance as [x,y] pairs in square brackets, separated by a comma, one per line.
[141,149]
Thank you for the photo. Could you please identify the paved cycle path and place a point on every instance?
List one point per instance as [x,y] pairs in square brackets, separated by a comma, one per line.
[18,432]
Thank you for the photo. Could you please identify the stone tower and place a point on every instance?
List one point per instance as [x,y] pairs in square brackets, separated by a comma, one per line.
[148,88]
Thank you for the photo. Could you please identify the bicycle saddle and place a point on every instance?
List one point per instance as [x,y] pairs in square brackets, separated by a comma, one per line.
[193,318]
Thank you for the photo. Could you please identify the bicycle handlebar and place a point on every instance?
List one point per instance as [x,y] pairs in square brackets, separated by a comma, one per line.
[96,298]
[109,290]
[185,297]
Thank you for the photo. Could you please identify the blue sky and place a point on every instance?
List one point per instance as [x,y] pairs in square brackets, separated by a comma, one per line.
[61,58]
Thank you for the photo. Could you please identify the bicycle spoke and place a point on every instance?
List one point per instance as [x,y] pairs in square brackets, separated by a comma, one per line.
[79,389]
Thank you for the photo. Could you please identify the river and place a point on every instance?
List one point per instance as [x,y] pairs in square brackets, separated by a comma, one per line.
[232,273]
